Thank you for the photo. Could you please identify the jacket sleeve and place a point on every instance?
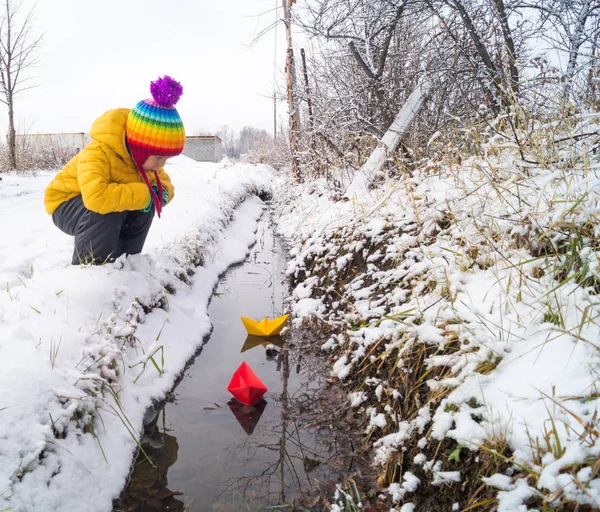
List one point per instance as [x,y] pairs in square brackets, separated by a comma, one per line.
[100,195]
[166,182]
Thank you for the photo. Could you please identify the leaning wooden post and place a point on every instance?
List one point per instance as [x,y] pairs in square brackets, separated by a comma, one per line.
[389,141]
[289,68]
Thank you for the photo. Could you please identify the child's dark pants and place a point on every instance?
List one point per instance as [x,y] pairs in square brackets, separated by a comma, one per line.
[102,237]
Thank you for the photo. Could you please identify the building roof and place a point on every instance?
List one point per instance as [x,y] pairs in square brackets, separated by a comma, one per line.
[202,137]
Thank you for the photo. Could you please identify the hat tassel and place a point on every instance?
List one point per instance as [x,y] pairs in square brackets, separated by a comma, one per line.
[157,200]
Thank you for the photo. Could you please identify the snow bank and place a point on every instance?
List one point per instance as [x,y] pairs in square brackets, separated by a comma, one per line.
[480,281]
[84,351]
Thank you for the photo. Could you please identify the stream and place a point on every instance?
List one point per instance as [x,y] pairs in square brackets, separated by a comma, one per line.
[210,452]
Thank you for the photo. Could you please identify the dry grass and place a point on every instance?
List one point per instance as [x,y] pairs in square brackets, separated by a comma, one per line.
[536,240]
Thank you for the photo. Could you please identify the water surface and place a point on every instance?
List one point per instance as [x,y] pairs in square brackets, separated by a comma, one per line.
[219,454]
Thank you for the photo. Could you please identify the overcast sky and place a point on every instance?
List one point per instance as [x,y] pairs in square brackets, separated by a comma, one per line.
[101,55]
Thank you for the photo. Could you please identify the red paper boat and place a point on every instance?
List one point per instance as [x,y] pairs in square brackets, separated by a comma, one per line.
[245,386]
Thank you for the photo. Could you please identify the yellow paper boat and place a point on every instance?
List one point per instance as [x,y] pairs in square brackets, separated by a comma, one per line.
[265,327]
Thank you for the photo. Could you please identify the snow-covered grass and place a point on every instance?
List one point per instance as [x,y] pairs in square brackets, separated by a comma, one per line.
[84,351]
[464,310]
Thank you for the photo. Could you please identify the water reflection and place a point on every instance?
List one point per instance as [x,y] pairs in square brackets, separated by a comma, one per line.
[148,489]
[257,341]
[288,460]
[276,462]
[247,415]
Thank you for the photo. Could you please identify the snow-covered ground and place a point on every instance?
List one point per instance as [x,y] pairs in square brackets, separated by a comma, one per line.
[479,281]
[85,350]
[485,272]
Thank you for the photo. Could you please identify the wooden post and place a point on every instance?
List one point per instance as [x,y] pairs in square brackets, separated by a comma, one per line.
[308,98]
[289,68]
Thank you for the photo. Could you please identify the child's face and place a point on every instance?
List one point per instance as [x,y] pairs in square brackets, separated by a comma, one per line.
[154,163]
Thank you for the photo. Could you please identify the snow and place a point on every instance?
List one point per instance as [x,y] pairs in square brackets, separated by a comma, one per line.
[453,264]
[357,398]
[409,484]
[513,500]
[442,477]
[452,268]
[429,334]
[306,307]
[500,481]
[341,368]
[377,420]
[385,446]
[74,338]
[420,459]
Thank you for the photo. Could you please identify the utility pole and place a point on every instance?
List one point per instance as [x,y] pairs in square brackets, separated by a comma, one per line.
[289,68]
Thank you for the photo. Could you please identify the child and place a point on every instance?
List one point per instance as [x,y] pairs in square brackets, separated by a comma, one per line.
[106,195]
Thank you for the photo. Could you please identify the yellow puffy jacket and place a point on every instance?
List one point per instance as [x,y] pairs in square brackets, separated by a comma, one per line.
[104,173]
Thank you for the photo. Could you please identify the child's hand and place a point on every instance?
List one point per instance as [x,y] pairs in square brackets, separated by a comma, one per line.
[165,199]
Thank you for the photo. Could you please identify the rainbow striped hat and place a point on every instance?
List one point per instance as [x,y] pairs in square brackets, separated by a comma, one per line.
[154,128]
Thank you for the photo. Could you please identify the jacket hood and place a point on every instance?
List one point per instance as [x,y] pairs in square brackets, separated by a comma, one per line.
[109,129]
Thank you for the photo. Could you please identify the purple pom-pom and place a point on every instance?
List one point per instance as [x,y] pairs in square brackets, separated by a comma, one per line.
[166,91]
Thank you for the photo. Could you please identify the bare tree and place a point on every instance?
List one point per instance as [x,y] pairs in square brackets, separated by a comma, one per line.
[236,145]
[367,30]
[480,30]
[571,26]
[17,54]
[365,56]
[364,59]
